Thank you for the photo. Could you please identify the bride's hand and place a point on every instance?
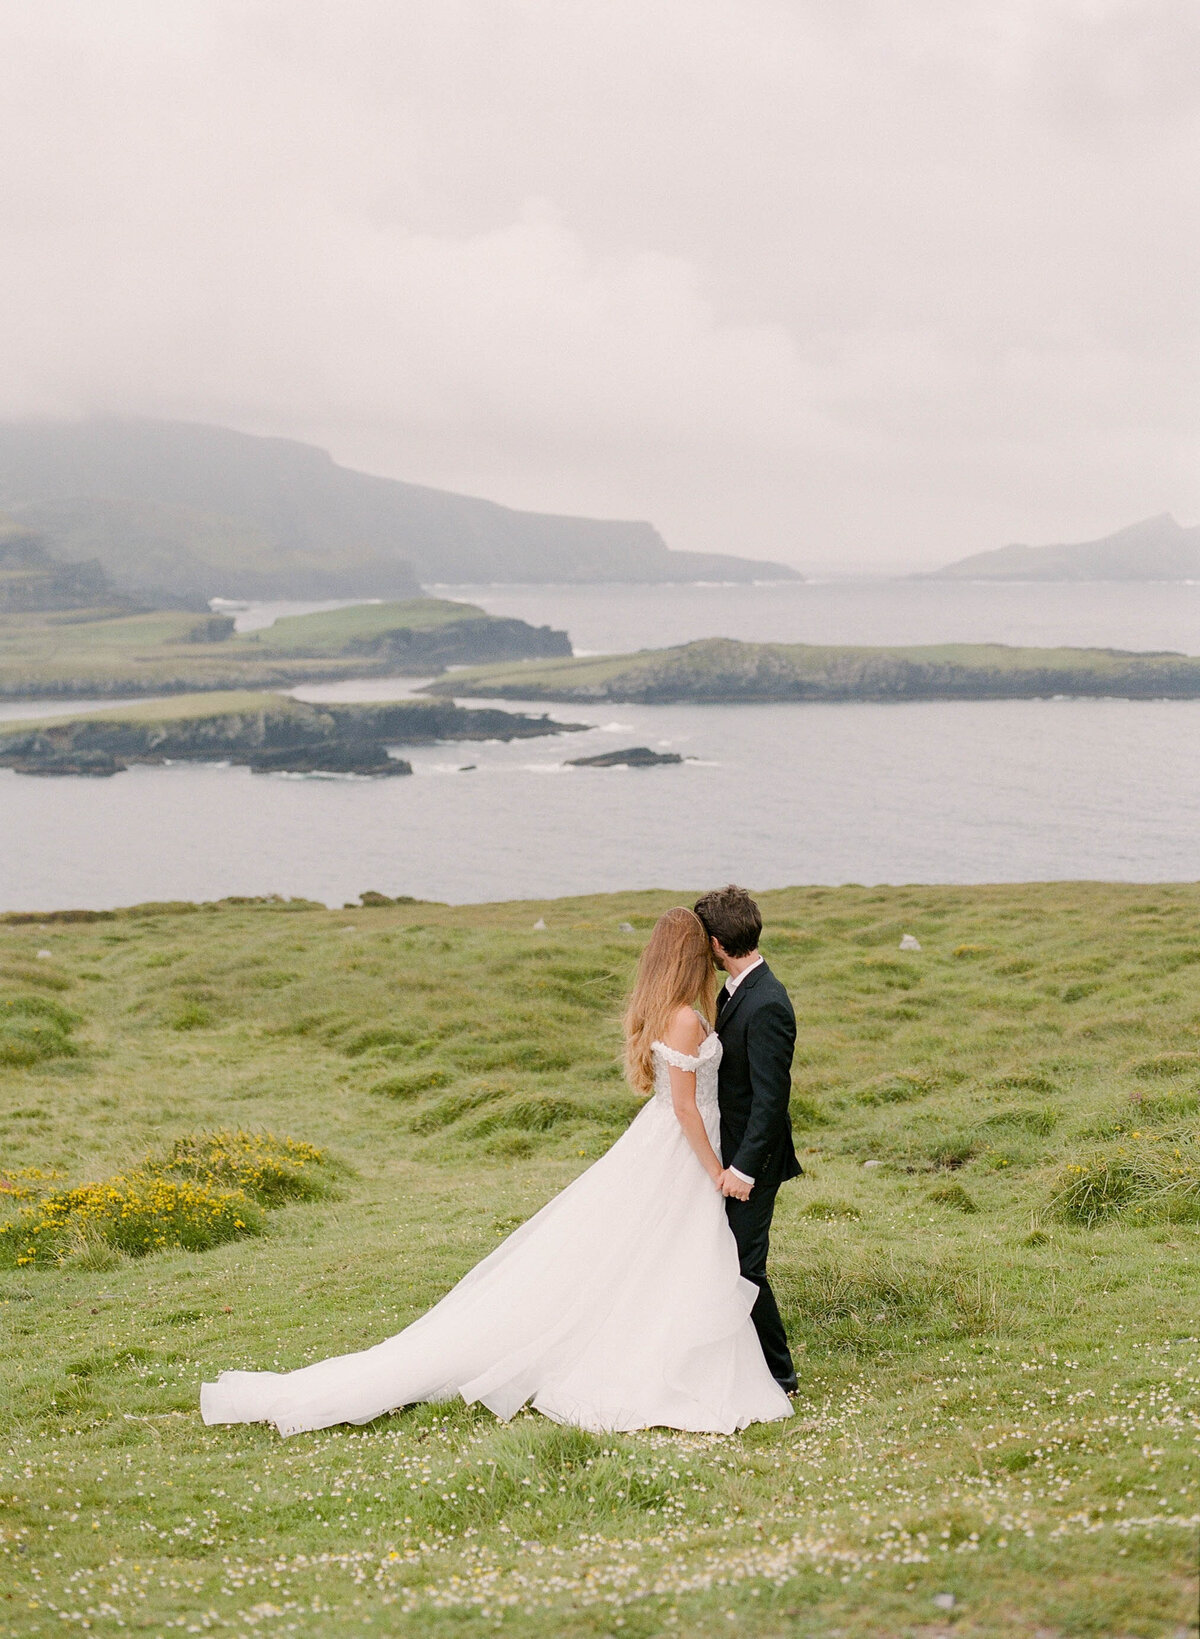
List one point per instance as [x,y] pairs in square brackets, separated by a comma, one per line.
[719,1181]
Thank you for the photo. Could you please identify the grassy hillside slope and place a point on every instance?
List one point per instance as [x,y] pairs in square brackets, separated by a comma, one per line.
[99,651]
[725,670]
[205,511]
[994,1322]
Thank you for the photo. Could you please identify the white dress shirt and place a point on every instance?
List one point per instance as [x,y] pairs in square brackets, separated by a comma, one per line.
[731,985]
[735,979]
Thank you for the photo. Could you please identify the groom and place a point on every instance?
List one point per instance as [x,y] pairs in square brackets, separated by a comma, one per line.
[757,1028]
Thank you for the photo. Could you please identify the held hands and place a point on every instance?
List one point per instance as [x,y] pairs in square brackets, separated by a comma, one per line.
[730,1184]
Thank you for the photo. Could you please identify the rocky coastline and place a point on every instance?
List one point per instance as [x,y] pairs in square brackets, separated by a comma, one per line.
[267,733]
[723,671]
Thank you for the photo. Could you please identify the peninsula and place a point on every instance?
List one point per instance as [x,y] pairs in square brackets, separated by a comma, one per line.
[107,650]
[722,670]
[269,732]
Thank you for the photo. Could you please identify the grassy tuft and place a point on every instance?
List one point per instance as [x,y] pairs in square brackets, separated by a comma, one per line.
[829,1212]
[1146,1177]
[414,1082]
[954,1195]
[897,1087]
[34,1029]
[1165,1065]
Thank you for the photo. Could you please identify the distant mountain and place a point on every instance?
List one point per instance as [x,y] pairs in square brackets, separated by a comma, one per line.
[31,579]
[1156,549]
[172,508]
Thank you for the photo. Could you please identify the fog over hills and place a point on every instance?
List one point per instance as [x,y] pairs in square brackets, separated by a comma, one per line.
[31,578]
[184,510]
[1155,549]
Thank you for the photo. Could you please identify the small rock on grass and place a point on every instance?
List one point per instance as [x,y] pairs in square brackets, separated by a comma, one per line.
[944,1601]
[910,942]
[540,925]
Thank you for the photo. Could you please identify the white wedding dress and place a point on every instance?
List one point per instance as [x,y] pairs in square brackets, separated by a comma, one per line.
[618,1306]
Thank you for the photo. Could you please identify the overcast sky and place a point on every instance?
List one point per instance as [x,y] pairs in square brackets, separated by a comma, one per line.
[833,281]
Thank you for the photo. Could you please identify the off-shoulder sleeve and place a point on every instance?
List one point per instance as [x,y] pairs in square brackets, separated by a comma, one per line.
[681,1061]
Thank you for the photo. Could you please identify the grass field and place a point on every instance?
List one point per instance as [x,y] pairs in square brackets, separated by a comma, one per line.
[996,1320]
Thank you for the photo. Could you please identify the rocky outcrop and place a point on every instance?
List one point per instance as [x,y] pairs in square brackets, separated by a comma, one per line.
[269,733]
[40,756]
[632,757]
[365,759]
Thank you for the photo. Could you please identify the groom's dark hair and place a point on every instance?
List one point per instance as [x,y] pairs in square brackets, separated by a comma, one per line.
[732,918]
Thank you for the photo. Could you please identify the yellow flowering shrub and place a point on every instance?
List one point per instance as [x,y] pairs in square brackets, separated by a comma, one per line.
[209,1187]
[134,1212]
[27,1183]
[271,1170]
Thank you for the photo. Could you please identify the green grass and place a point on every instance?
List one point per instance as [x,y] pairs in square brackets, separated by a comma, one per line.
[723,669]
[178,708]
[91,652]
[332,630]
[998,1387]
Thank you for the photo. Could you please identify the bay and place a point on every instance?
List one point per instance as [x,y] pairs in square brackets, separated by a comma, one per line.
[772,795]
[861,609]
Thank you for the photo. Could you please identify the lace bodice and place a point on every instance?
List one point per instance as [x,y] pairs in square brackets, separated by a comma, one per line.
[705,1065]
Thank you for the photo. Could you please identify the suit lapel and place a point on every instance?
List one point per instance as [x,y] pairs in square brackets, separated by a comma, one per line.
[731,1003]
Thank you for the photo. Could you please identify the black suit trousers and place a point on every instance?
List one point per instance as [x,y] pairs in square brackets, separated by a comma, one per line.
[750,1222]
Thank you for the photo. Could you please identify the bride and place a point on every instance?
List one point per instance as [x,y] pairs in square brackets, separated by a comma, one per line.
[619,1305]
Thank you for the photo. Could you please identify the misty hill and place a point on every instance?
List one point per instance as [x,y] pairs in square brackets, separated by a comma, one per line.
[171,508]
[31,579]
[1155,549]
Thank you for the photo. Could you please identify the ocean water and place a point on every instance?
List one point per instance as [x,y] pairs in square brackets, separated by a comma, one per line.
[769,795]
[1105,614]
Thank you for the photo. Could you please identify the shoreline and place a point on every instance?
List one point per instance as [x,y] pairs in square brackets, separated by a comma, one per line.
[375,902]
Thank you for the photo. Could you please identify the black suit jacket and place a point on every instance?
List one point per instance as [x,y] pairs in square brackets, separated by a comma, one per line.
[757,1028]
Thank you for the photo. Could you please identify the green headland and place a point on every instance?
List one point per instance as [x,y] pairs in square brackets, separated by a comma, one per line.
[724,670]
[989,1273]
[105,651]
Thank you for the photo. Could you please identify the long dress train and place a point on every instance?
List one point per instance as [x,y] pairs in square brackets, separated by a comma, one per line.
[618,1306]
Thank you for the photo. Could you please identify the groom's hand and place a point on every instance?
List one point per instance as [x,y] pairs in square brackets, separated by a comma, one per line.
[731,1184]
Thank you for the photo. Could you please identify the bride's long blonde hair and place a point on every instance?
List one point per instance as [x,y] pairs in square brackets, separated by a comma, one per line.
[676,970]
